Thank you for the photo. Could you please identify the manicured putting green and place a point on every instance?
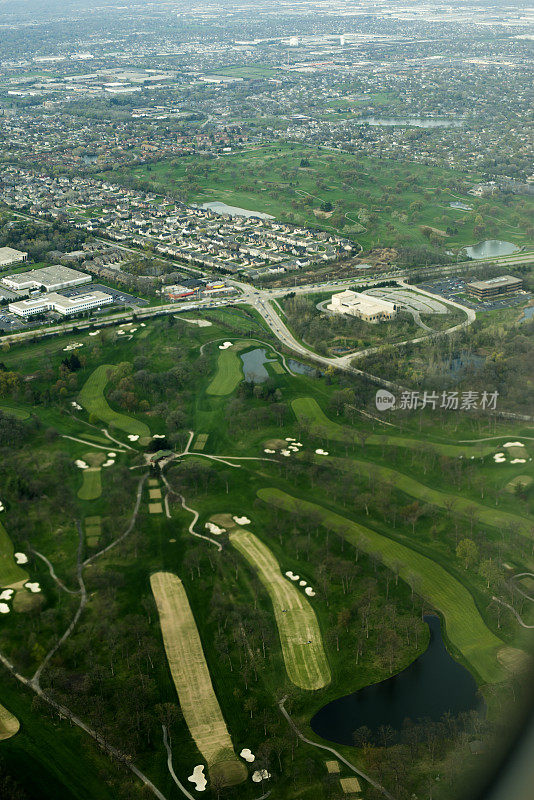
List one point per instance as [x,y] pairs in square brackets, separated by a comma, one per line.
[503,520]
[92,399]
[465,628]
[300,635]
[229,372]
[307,409]
[10,572]
[9,725]
[192,679]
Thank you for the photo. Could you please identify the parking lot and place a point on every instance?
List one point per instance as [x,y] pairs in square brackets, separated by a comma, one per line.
[119,297]
[451,288]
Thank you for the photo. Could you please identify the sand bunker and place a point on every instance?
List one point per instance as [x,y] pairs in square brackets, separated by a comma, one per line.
[309,591]
[2,506]
[268,450]
[112,455]
[94,333]
[81,464]
[261,775]
[499,458]
[4,608]
[225,345]
[198,778]
[109,462]
[513,444]
[241,520]
[7,594]
[133,437]
[32,587]
[303,583]
[213,528]
[289,439]
[321,452]
[159,436]
[248,755]
[202,323]
[518,461]
[21,558]
[76,405]
[286,453]
[72,346]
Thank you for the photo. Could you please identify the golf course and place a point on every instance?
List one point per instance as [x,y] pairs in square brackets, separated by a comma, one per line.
[92,398]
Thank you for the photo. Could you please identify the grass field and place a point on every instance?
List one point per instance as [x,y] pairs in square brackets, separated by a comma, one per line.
[300,635]
[494,517]
[308,409]
[91,487]
[464,626]
[9,725]
[13,411]
[229,373]
[192,679]
[10,572]
[92,399]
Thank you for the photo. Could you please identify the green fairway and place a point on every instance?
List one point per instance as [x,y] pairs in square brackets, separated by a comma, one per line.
[229,373]
[464,625]
[10,572]
[14,411]
[308,409]
[91,487]
[489,516]
[300,635]
[92,399]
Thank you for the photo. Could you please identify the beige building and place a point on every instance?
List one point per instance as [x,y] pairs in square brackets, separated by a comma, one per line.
[363,306]
[10,256]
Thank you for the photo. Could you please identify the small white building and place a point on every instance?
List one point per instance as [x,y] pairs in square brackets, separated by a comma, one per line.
[57,302]
[364,306]
[51,278]
[10,256]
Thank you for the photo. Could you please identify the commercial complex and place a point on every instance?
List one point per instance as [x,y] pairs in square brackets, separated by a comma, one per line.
[10,256]
[60,304]
[51,278]
[363,306]
[505,284]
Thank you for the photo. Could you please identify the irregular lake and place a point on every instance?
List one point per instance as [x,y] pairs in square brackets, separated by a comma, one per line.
[432,685]
[234,211]
[491,248]
[416,122]
[253,365]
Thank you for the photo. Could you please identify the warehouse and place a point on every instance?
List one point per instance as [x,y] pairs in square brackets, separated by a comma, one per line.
[10,256]
[51,278]
[60,304]
[363,306]
[505,284]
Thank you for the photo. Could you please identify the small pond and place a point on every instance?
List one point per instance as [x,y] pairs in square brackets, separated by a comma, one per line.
[528,313]
[300,368]
[462,362]
[491,248]
[461,206]
[431,686]
[253,365]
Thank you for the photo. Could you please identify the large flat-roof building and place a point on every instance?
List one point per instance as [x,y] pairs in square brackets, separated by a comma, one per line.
[10,256]
[51,278]
[505,284]
[57,302]
[363,306]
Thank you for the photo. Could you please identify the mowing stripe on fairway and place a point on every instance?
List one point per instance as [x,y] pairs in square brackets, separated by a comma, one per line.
[229,373]
[10,572]
[437,497]
[307,408]
[192,680]
[9,725]
[92,399]
[465,628]
[300,635]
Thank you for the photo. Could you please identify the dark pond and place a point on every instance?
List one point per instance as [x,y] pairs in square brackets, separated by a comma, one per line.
[461,363]
[300,368]
[432,685]
[528,313]
[253,365]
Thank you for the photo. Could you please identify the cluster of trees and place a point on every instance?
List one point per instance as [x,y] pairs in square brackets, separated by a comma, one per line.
[38,239]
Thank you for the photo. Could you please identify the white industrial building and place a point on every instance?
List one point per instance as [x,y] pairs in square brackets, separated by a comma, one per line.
[363,306]
[10,256]
[57,302]
[51,278]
